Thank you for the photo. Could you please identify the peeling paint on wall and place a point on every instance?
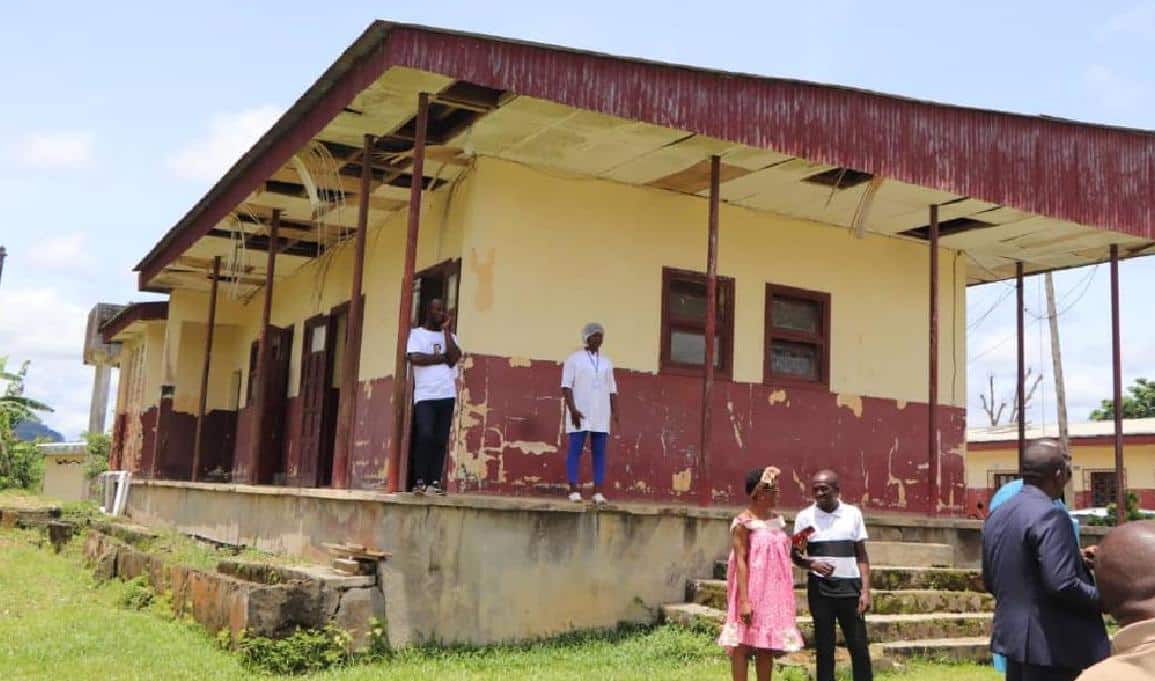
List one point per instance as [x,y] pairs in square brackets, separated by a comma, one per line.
[511,429]
[851,402]
[519,362]
[483,269]
[778,397]
[734,423]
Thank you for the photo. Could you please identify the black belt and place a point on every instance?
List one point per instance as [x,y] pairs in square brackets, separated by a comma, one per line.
[831,549]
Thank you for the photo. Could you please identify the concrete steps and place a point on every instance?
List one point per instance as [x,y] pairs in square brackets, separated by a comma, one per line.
[885,577]
[963,649]
[712,593]
[880,628]
[945,648]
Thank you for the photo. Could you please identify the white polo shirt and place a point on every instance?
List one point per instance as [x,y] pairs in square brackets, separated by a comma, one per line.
[435,382]
[835,535]
[590,375]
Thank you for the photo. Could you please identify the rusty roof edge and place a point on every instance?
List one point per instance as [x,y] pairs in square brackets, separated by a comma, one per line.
[147,311]
[378,31]
[369,39]
[756,76]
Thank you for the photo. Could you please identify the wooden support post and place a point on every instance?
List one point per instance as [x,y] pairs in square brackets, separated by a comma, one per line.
[198,442]
[351,363]
[932,475]
[704,482]
[404,309]
[258,437]
[1117,374]
[1021,364]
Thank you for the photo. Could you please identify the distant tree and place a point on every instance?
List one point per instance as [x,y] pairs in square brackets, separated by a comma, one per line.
[995,414]
[20,462]
[1138,404]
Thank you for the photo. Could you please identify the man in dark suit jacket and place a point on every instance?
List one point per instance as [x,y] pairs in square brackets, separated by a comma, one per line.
[1048,620]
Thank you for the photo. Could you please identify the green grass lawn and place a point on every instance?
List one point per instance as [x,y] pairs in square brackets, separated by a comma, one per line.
[57,624]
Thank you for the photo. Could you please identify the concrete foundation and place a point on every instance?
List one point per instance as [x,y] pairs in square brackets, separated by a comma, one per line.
[478,569]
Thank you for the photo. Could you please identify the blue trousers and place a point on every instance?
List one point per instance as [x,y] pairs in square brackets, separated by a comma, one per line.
[577,442]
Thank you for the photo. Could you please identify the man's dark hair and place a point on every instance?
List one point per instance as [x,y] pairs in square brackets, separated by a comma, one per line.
[1042,459]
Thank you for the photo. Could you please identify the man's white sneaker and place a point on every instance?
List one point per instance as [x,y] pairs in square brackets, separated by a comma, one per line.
[599,499]
[575,497]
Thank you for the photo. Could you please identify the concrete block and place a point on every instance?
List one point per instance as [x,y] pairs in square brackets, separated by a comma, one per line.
[357,608]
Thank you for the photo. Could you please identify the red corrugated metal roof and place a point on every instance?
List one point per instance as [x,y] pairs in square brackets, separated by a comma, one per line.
[1094,175]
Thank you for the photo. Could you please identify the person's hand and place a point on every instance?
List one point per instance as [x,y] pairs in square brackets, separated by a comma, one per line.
[864,602]
[577,418]
[447,322]
[1089,556]
[746,612]
[822,569]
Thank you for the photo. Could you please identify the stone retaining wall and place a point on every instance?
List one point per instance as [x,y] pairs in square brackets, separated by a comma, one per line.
[256,598]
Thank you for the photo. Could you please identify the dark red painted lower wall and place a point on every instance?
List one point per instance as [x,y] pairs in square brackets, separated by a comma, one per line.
[510,439]
[176,431]
[372,427]
[148,420]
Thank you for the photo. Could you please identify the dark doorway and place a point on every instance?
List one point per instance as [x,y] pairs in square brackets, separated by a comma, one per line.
[316,365]
[322,354]
[440,281]
[271,450]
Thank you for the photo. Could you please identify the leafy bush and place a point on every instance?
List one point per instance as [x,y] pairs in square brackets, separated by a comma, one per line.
[304,651]
[21,465]
[1130,512]
[98,448]
[136,595]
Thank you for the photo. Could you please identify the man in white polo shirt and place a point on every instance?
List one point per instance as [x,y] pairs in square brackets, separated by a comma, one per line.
[838,585]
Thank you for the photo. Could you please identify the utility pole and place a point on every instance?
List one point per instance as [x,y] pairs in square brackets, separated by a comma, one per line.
[3,254]
[1060,385]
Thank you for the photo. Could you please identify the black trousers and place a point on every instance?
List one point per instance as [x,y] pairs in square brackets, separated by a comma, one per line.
[826,611]
[431,422]
[1019,671]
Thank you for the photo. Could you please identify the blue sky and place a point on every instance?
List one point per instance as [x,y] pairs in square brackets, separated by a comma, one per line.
[118,116]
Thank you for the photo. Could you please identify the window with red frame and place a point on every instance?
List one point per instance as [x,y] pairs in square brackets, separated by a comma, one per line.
[684,323]
[797,337]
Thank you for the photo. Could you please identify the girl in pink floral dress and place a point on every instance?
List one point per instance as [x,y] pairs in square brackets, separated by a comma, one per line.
[760,583]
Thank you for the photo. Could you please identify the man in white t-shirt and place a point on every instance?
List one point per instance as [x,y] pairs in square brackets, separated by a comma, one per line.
[591,401]
[433,352]
[838,585]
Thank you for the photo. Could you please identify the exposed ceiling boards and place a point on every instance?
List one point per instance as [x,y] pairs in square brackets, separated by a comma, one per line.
[468,120]
[383,106]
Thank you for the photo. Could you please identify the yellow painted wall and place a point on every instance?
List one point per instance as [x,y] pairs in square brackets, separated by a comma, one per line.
[544,254]
[1139,460]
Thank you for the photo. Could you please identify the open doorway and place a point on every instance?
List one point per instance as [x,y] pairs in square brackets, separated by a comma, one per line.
[440,281]
[270,463]
[321,361]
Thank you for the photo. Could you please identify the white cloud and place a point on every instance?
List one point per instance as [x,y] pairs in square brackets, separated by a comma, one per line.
[61,251]
[52,150]
[229,135]
[1137,20]
[41,325]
